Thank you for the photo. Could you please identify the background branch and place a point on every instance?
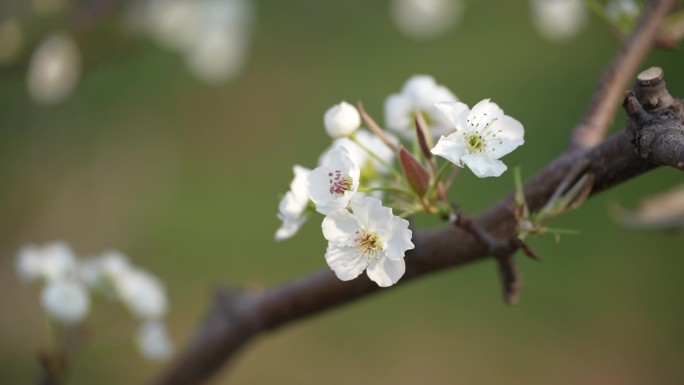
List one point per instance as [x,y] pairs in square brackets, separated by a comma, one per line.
[605,101]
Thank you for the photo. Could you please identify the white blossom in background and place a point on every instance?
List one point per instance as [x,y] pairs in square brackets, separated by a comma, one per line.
[341,120]
[212,35]
[66,300]
[558,20]
[483,135]
[426,19]
[89,272]
[113,264]
[153,341]
[359,156]
[54,70]
[333,184]
[49,262]
[622,11]
[142,293]
[369,238]
[419,94]
[294,203]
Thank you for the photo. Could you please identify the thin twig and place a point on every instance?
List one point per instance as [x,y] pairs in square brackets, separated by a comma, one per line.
[606,100]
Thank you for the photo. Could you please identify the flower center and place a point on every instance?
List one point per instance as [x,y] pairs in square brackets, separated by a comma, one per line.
[338,183]
[368,242]
[475,142]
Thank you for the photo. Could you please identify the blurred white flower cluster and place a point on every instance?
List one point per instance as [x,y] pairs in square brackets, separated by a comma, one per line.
[365,197]
[426,19]
[54,69]
[69,283]
[213,36]
[558,20]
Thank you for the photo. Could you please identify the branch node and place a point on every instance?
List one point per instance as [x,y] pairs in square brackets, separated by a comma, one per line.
[651,92]
[511,279]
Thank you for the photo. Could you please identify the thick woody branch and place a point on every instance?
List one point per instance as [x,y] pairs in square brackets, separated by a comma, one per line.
[603,105]
[656,120]
[236,319]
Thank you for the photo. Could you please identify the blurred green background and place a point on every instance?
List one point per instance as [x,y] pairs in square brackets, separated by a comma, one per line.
[185,178]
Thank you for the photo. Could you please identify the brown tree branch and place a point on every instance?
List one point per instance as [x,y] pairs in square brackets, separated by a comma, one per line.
[605,101]
[235,318]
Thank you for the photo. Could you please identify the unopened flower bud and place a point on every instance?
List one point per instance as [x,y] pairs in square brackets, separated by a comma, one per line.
[341,120]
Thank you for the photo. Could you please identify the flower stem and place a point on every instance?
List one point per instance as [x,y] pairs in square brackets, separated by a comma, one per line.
[438,178]
[375,156]
[408,193]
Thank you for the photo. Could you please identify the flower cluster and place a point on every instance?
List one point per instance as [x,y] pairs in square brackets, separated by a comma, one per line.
[366,183]
[213,36]
[69,282]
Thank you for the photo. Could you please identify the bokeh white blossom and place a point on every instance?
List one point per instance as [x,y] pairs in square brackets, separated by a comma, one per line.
[558,20]
[213,36]
[418,95]
[426,19]
[69,282]
[54,69]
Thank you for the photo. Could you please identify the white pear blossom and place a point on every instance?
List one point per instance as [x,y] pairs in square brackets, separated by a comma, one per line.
[369,238]
[293,204]
[54,70]
[114,264]
[66,300]
[426,19]
[153,341]
[142,293]
[341,120]
[483,135]
[419,94]
[333,183]
[558,20]
[49,262]
[622,11]
[359,156]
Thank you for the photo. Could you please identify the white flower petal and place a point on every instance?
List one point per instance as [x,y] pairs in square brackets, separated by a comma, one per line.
[153,341]
[289,228]
[371,213]
[454,112]
[338,164]
[345,261]
[399,240]
[483,114]
[483,166]
[398,113]
[299,186]
[386,272]
[339,227]
[451,148]
[419,89]
[511,136]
